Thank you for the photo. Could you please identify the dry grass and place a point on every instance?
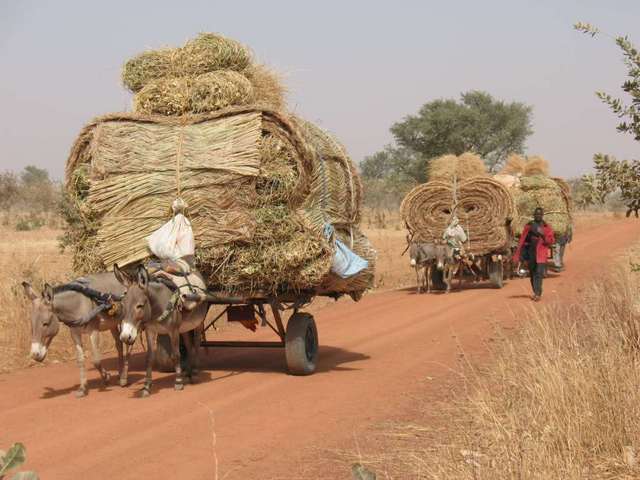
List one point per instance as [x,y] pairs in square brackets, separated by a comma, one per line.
[559,402]
[448,167]
[32,256]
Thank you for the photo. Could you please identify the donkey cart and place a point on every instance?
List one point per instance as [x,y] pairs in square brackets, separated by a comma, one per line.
[299,338]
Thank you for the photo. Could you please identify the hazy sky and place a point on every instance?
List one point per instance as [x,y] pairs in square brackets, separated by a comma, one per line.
[355,67]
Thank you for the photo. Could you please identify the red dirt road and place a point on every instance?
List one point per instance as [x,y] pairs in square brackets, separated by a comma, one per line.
[376,356]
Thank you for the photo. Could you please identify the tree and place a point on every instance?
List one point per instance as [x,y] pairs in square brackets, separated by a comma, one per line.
[629,113]
[479,123]
[392,161]
[9,190]
[34,176]
[39,193]
[624,175]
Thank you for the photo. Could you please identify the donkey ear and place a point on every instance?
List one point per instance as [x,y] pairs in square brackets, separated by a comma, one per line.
[47,293]
[143,277]
[28,291]
[121,276]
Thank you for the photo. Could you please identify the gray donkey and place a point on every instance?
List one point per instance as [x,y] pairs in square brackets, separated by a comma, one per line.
[424,257]
[78,312]
[155,307]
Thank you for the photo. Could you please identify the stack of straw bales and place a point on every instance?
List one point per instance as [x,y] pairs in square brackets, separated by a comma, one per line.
[461,186]
[529,182]
[208,73]
[260,184]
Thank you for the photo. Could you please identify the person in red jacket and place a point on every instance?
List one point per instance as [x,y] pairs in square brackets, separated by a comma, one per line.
[536,240]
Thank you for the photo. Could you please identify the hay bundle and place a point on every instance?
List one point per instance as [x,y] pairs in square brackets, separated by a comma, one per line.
[268,89]
[514,165]
[206,53]
[484,207]
[541,191]
[202,94]
[246,175]
[336,189]
[448,167]
[536,165]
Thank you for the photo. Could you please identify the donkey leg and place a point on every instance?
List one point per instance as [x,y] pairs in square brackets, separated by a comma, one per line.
[77,340]
[146,390]
[94,337]
[175,357]
[188,343]
[123,363]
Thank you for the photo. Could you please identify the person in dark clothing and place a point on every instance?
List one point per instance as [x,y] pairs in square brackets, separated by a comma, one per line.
[533,248]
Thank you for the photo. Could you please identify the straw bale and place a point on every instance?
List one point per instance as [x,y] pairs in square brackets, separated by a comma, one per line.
[206,53]
[448,167]
[202,94]
[246,175]
[536,165]
[268,88]
[484,207]
[336,188]
[541,191]
[285,253]
[514,165]
[147,67]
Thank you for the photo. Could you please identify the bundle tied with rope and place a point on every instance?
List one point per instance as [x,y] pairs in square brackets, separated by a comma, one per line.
[483,206]
[249,178]
[529,183]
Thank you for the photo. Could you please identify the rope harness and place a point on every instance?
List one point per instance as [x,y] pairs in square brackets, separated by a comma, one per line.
[105,302]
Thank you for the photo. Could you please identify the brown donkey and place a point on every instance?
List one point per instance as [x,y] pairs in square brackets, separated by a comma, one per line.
[78,312]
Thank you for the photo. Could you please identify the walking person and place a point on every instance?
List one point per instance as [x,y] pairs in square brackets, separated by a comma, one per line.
[533,248]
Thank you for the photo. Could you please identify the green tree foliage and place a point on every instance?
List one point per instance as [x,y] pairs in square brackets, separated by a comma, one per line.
[12,459]
[628,112]
[611,173]
[478,122]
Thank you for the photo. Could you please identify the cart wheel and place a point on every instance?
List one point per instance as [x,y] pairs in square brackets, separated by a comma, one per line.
[301,344]
[437,279]
[496,274]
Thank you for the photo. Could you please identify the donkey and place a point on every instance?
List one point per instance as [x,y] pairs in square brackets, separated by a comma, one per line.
[447,262]
[423,259]
[77,311]
[147,305]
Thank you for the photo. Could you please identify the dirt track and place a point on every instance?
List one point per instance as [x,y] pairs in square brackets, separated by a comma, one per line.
[376,356]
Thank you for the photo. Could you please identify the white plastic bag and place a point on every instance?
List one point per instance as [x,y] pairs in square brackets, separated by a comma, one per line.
[173,240]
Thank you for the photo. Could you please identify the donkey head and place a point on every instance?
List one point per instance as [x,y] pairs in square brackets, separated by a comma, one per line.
[442,255]
[136,308]
[44,322]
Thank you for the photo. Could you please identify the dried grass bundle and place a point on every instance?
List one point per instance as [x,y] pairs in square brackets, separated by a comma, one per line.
[541,191]
[268,88]
[206,53]
[448,167]
[336,189]
[485,208]
[514,165]
[248,176]
[187,95]
[536,165]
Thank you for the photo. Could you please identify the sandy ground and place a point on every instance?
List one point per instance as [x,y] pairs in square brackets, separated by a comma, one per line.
[247,419]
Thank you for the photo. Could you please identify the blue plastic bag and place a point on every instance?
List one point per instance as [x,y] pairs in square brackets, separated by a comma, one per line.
[345,262]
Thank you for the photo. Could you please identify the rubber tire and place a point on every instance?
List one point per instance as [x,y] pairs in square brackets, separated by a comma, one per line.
[496,273]
[301,344]
[437,280]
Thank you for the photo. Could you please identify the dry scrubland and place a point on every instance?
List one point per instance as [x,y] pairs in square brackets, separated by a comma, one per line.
[559,400]
[35,256]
